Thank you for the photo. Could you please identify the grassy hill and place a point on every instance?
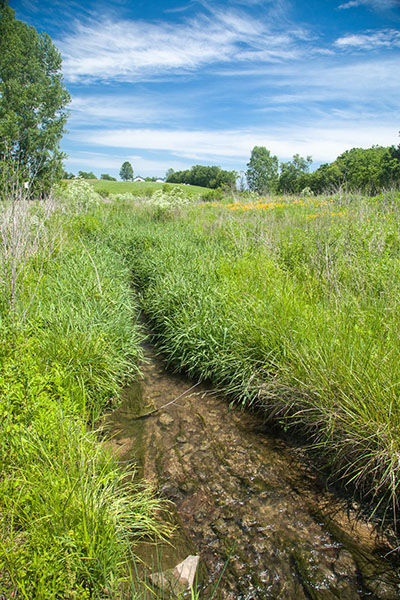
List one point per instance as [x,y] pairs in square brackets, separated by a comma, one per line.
[124,187]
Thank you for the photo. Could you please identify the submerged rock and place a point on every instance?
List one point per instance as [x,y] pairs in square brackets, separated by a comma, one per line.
[165,420]
[179,579]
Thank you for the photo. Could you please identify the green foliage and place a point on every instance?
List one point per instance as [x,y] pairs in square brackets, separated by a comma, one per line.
[86,175]
[126,171]
[32,101]
[107,177]
[292,178]
[68,514]
[203,176]
[78,196]
[262,171]
[292,306]
[366,170]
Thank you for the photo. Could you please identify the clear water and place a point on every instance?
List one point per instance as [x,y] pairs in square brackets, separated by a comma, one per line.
[244,500]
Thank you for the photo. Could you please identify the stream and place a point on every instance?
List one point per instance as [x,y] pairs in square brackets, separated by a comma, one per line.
[243,499]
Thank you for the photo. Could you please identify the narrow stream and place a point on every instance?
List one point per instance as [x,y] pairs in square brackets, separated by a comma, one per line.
[243,494]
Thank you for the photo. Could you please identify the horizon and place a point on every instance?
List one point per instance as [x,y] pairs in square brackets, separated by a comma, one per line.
[172,84]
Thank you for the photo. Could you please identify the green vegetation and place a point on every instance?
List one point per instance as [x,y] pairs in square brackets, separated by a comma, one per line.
[68,341]
[86,175]
[32,102]
[262,171]
[203,176]
[126,171]
[141,187]
[368,170]
[288,305]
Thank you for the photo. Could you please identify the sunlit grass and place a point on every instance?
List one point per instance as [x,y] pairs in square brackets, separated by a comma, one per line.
[69,513]
[291,305]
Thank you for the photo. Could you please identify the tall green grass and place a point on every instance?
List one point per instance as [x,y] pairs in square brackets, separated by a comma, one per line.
[288,305]
[69,513]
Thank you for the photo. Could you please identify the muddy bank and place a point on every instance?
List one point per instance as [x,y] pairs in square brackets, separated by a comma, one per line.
[243,494]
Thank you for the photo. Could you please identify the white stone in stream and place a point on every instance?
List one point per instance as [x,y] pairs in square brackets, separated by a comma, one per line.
[180,578]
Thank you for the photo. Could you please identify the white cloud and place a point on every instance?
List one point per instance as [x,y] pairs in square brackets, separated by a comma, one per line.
[99,109]
[135,50]
[323,141]
[375,4]
[370,40]
[104,163]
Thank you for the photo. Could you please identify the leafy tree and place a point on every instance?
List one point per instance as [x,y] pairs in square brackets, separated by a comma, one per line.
[390,167]
[33,100]
[205,176]
[107,177]
[168,173]
[366,170]
[292,177]
[262,171]
[126,171]
[86,175]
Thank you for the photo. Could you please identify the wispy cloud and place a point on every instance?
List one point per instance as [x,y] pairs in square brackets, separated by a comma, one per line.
[370,40]
[375,4]
[104,163]
[320,140]
[124,109]
[127,50]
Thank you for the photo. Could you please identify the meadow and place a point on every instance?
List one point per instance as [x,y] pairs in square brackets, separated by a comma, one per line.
[140,187]
[290,306]
[69,513]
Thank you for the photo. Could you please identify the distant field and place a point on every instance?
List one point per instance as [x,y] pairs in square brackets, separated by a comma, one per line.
[122,187]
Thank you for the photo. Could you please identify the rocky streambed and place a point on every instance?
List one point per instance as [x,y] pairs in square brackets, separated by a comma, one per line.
[243,500]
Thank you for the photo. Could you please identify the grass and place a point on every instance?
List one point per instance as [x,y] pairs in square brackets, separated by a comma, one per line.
[141,188]
[290,305]
[69,513]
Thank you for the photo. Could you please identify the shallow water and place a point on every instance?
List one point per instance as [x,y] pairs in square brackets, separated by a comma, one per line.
[243,494]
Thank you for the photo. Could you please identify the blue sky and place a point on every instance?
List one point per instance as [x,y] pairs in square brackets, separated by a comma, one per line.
[183,82]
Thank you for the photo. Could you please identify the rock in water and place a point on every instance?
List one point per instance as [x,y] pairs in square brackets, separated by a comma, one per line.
[179,579]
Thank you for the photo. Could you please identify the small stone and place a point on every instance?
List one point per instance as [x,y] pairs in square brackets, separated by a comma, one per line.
[165,420]
[345,565]
[179,579]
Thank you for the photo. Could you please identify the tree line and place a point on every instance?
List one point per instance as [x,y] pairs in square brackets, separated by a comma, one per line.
[33,114]
[210,177]
[366,170]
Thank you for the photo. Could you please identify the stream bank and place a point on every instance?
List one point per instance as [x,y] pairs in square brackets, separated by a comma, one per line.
[244,500]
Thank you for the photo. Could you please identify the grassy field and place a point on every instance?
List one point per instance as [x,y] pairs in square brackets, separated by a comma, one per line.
[68,341]
[141,188]
[291,305]
[287,304]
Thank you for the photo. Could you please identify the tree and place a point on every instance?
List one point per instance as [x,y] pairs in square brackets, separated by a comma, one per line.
[293,174]
[205,176]
[33,100]
[86,175]
[262,171]
[107,177]
[126,171]
[67,175]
